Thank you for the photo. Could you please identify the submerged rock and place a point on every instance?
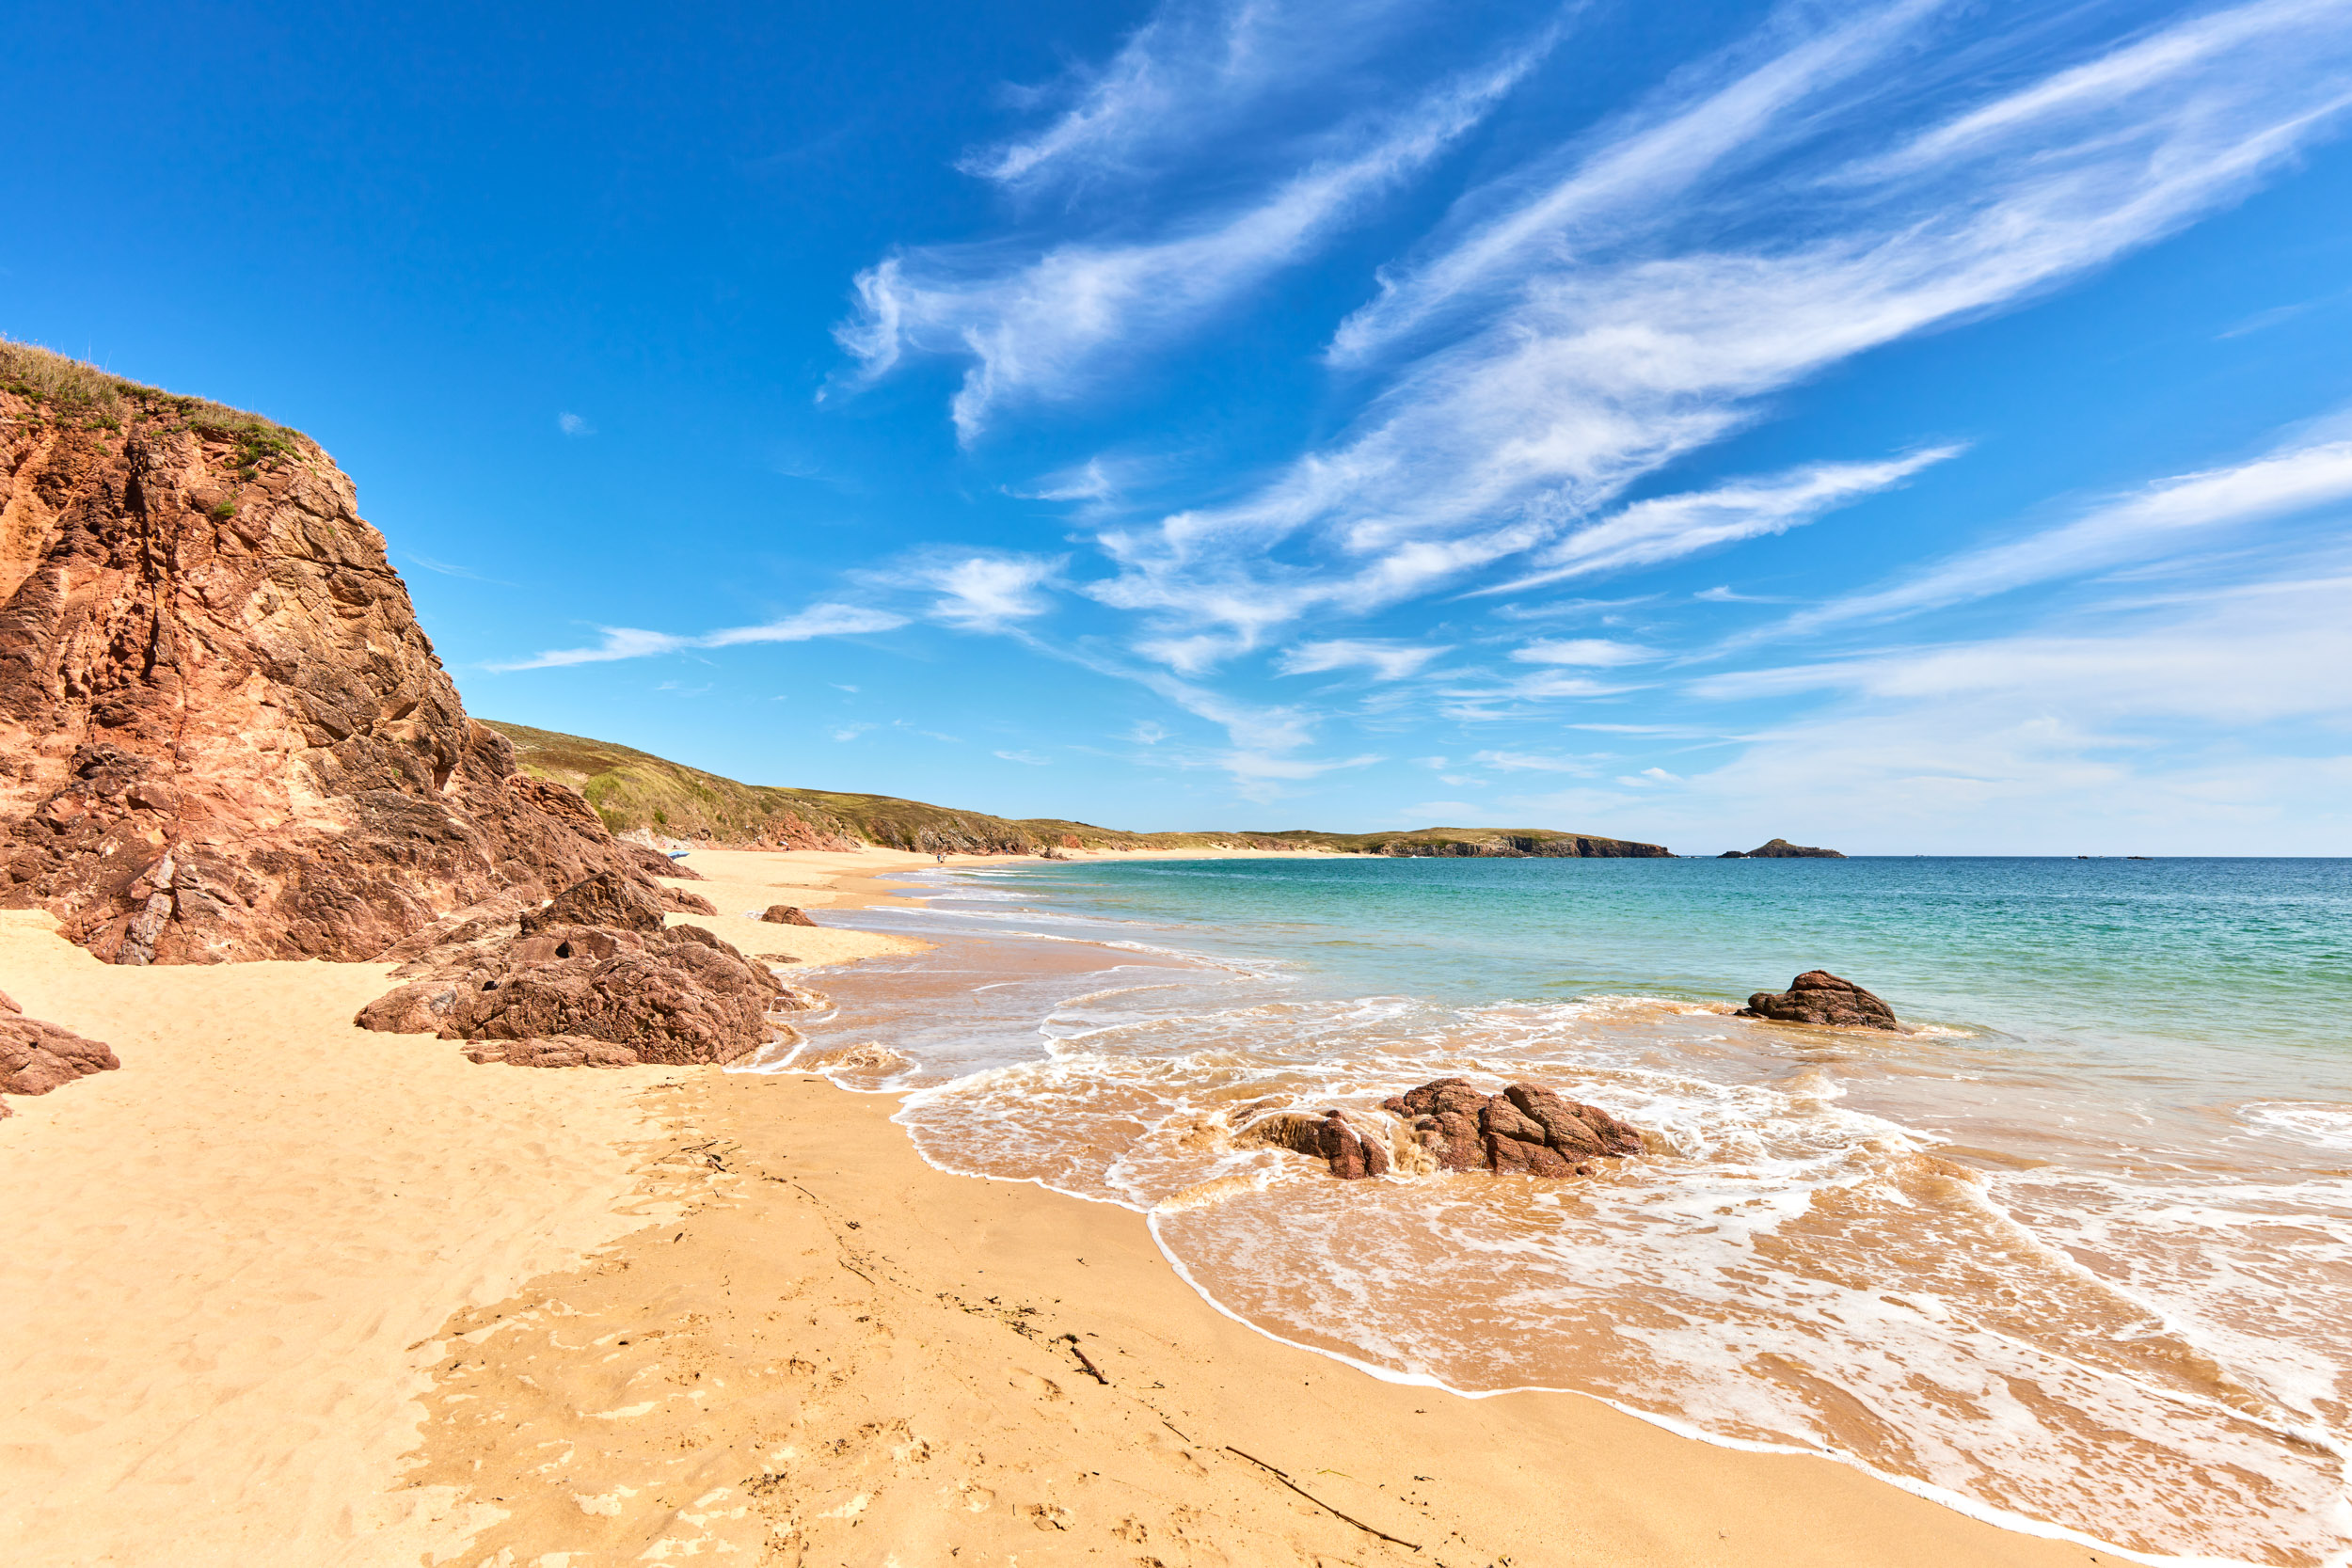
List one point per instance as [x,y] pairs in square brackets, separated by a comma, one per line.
[35,1057]
[1526,1130]
[1818,997]
[1352,1155]
[596,965]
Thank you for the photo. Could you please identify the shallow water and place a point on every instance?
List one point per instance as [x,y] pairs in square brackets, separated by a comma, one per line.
[2076,1255]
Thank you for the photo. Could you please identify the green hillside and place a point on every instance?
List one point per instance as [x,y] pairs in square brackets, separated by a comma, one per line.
[635,790]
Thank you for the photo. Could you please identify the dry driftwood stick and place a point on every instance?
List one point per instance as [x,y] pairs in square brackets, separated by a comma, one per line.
[1092,1370]
[1285,1480]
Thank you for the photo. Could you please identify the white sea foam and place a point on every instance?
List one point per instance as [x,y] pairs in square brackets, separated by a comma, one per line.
[2049,1307]
[2320,1126]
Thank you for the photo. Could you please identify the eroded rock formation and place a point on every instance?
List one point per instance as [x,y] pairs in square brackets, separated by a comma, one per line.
[225,735]
[593,977]
[1525,1128]
[1818,997]
[785,914]
[35,1057]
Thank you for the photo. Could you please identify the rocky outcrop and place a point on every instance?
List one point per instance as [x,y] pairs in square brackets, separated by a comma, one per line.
[1780,849]
[35,1057]
[1818,997]
[785,914]
[225,735]
[1525,1129]
[1353,1156]
[595,966]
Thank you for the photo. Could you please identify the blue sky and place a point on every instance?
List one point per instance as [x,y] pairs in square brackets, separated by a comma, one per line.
[1907,427]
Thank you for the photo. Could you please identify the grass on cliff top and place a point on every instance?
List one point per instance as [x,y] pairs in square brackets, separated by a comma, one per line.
[71,392]
[632,789]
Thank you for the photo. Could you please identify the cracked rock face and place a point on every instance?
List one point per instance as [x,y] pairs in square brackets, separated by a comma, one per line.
[223,735]
[35,1057]
[1820,998]
[593,978]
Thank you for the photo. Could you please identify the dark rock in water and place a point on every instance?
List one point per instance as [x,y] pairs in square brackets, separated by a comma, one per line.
[1353,1156]
[596,965]
[1525,1129]
[785,914]
[35,1057]
[1818,997]
[1780,849]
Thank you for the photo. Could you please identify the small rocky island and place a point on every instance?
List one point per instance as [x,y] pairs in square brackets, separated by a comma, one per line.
[1781,849]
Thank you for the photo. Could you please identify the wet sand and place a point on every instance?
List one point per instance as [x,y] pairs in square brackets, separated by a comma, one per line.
[843,1356]
[282,1292]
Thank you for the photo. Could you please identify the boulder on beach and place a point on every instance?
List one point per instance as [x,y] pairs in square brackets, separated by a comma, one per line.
[1818,997]
[35,1057]
[785,914]
[596,964]
[1526,1130]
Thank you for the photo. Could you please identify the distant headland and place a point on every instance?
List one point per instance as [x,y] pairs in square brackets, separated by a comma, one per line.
[636,793]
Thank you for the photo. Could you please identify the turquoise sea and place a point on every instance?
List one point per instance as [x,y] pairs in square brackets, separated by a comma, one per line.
[2075,1254]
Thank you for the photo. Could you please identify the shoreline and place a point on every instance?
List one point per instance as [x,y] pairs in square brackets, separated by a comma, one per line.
[273,1321]
[897,1357]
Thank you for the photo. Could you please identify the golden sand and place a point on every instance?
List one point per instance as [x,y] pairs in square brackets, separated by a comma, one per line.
[281,1291]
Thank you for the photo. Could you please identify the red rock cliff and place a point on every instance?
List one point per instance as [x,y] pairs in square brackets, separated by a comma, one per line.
[223,735]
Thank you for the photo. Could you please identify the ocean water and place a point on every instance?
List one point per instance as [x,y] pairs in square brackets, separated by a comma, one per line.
[2075,1254]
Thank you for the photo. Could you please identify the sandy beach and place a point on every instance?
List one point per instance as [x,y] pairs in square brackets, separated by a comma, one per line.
[285,1292]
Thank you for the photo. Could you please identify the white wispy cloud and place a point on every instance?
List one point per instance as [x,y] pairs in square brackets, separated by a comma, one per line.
[1525,762]
[1590,370]
[1590,652]
[1665,528]
[617,643]
[824,620]
[1029,759]
[1046,326]
[2137,725]
[2120,529]
[1388,661]
[2243,655]
[573,424]
[980,591]
[1195,70]
[447,569]
[1723,113]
